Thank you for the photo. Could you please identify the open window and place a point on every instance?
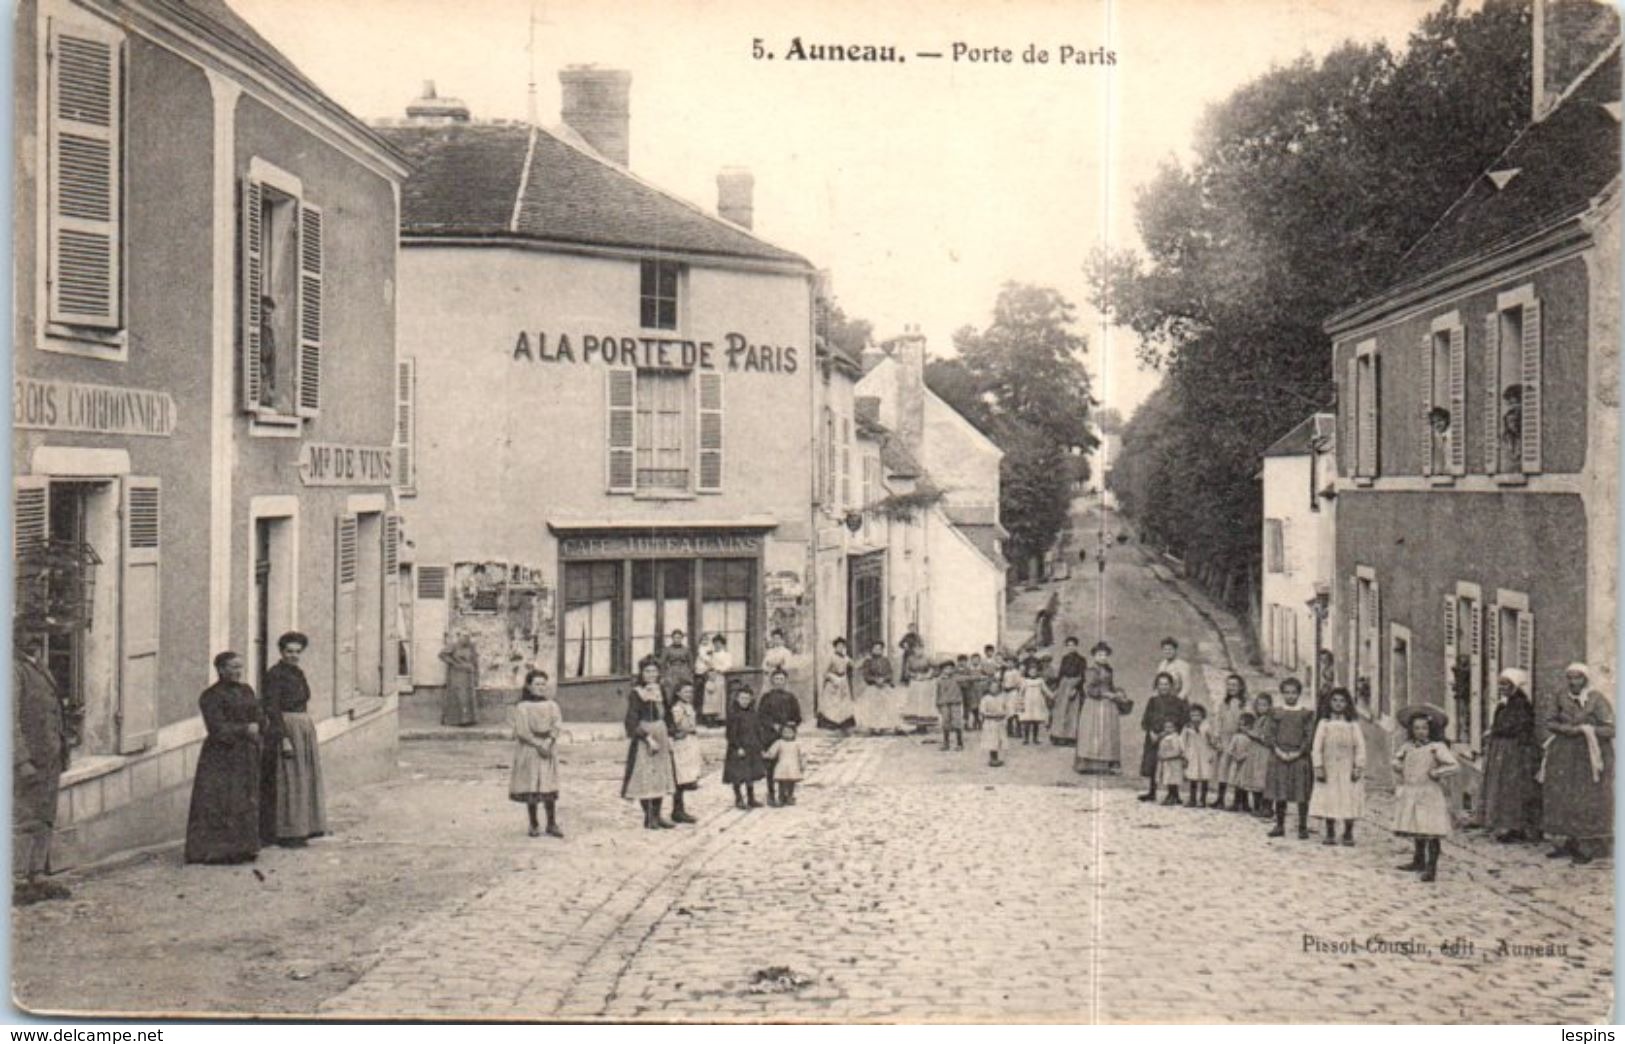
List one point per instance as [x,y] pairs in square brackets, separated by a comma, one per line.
[281,302]
[1444,387]
[1512,413]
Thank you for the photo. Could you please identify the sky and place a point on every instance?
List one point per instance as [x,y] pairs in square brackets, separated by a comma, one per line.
[922,186]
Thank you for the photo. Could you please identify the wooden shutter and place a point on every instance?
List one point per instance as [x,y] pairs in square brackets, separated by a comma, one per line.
[621,391]
[308,376]
[1351,620]
[406,380]
[391,657]
[1452,647]
[431,583]
[31,525]
[253,247]
[86,145]
[1526,645]
[1456,437]
[1475,673]
[344,614]
[1529,355]
[1348,406]
[1492,393]
[1425,439]
[710,443]
[140,614]
[1492,640]
[1378,697]
[1368,417]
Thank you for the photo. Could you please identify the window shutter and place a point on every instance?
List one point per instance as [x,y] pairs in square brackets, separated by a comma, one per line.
[1530,357]
[1526,645]
[139,614]
[1492,393]
[710,442]
[308,379]
[1375,631]
[1352,616]
[621,390]
[1425,438]
[1450,637]
[253,246]
[1368,418]
[431,583]
[86,145]
[846,462]
[344,615]
[1348,405]
[391,630]
[406,379]
[1456,437]
[1492,640]
[1475,672]
[32,522]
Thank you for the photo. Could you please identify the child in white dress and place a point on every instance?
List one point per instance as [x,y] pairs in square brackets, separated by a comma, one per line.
[994,708]
[1034,704]
[1171,763]
[785,753]
[534,777]
[687,764]
[1200,755]
[1421,810]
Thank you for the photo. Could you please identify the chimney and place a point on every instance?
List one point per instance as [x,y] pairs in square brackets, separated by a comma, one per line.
[909,352]
[1569,35]
[431,108]
[736,189]
[597,106]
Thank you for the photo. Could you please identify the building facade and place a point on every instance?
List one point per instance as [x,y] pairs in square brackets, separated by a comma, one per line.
[611,403]
[1478,408]
[204,330]
[1299,543]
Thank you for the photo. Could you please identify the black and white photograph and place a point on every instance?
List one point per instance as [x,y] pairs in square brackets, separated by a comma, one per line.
[1016,512]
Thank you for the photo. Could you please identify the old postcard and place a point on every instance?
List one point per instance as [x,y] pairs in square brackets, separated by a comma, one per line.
[818,512]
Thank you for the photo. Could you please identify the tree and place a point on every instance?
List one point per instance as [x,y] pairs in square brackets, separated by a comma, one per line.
[1109,420]
[1308,186]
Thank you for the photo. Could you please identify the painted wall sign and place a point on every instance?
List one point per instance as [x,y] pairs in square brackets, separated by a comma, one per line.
[97,408]
[327,464]
[660,546]
[657,353]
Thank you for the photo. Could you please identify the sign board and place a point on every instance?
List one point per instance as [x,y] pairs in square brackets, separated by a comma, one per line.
[101,409]
[660,545]
[331,464]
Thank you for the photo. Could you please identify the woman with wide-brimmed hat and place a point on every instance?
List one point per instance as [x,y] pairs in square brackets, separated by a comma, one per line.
[1511,762]
[1578,772]
[1421,809]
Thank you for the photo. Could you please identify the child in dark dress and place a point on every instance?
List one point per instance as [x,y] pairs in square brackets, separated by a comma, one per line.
[744,764]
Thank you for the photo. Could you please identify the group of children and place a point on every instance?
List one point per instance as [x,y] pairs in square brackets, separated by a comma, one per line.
[996,696]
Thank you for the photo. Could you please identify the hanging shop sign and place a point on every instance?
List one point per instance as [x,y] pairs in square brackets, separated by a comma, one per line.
[97,408]
[734,353]
[660,545]
[331,464]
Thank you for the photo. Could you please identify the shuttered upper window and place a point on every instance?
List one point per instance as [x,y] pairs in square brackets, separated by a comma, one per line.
[665,431]
[406,409]
[1367,410]
[84,185]
[282,271]
[1512,410]
[1444,406]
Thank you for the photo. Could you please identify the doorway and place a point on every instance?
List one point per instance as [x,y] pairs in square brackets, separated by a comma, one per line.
[866,601]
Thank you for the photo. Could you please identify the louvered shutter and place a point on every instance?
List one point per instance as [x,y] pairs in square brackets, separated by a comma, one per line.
[1379,698]
[1475,673]
[253,249]
[1492,640]
[1351,620]
[710,419]
[621,394]
[1425,439]
[344,614]
[140,614]
[1348,406]
[308,378]
[1526,645]
[31,525]
[1451,651]
[1369,406]
[1492,393]
[1529,356]
[1456,437]
[391,630]
[406,380]
[86,143]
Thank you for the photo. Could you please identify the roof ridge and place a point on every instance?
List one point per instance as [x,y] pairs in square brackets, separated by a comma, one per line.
[1581,79]
[524,180]
[667,193]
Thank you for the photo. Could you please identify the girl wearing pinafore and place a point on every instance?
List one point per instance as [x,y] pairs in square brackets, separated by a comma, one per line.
[1035,697]
[1171,762]
[1421,810]
[785,753]
[535,774]
[1338,756]
[687,764]
[1201,756]
[1235,764]
[1226,720]
[650,775]
[995,707]
[1259,756]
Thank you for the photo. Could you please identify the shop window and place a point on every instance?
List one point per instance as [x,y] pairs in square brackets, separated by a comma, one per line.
[592,603]
[83,183]
[1513,387]
[727,589]
[657,296]
[661,592]
[281,297]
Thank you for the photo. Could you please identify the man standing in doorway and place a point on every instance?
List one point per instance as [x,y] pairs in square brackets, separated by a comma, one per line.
[39,752]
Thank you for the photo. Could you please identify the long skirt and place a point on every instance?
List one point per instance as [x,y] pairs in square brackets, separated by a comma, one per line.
[1063,716]
[994,740]
[649,773]
[835,701]
[533,773]
[1576,806]
[715,703]
[1511,796]
[1256,769]
[460,703]
[687,765]
[1148,756]
[1100,737]
[921,703]
[301,808]
[875,709]
[223,825]
[1289,780]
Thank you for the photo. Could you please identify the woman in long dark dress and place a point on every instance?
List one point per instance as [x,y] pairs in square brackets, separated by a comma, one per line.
[224,823]
[1511,795]
[1579,769]
[292,806]
[1163,708]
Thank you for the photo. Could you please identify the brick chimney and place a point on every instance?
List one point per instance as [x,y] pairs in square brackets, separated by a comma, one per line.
[1569,35]
[431,108]
[736,192]
[597,106]
[908,351]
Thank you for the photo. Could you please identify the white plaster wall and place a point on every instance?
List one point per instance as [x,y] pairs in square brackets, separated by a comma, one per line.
[1309,549]
[968,592]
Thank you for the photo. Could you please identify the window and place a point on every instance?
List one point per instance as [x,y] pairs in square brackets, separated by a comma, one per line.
[84,184]
[592,600]
[406,393]
[1365,641]
[1509,636]
[1274,546]
[727,587]
[1364,409]
[1464,665]
[665,432]
[1399,665]
[830,458]
[1444,407]
[281,296]
[661,593]
[1512,412]
[657,299]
